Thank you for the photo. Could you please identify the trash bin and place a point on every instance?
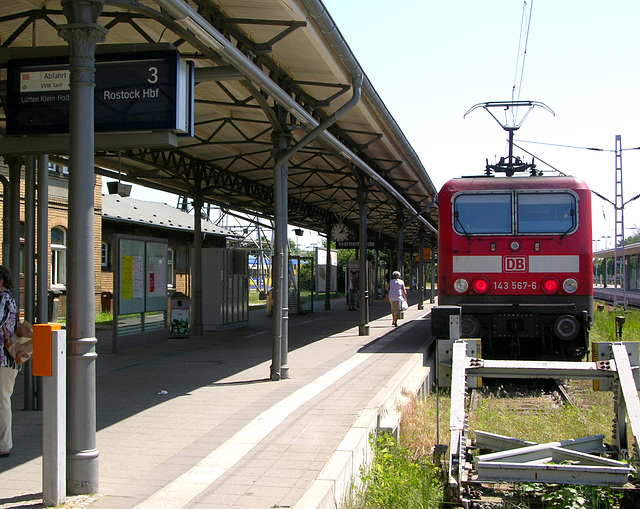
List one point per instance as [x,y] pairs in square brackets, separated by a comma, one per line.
[179,315]
[53,303]
[106,302]
[270,302]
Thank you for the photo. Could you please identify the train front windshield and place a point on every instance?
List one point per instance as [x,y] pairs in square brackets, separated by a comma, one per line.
[546,213]
[534,212]
[477,214]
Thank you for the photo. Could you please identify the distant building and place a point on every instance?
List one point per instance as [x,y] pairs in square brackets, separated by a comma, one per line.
[128,216]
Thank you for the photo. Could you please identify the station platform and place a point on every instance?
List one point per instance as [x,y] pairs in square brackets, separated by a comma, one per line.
[196,422]
[607,294]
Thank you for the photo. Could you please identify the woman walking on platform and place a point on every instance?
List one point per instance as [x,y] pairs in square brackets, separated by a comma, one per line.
[397,295]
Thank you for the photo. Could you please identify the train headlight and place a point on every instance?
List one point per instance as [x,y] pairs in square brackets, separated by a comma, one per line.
[550,285]
[480,285]
[461,285]
[570,285]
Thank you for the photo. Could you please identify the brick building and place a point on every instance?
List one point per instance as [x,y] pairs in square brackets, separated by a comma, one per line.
[58,227]
[113,215]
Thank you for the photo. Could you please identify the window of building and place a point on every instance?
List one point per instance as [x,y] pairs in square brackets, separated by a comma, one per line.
[104,255]
[632,272]
[22,236]
[60,170]
[58,257]
[171,278]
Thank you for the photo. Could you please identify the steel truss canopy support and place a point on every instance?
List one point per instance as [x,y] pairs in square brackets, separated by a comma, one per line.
[248,58]
[215,41]
[292,43]
[280,351]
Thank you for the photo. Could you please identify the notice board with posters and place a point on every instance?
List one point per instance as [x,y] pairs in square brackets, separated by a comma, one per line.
[140,292]
[321,271]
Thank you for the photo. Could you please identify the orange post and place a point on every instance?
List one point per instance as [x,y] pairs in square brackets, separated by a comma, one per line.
[43,348]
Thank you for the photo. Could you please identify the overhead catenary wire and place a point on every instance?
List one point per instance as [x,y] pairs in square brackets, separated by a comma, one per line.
[561,172]
[517,85]
[565,175]
[574,146]
[541,160]
[562,146]
[565,146]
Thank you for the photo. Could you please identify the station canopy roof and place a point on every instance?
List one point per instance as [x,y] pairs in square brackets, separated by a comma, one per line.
[262,69]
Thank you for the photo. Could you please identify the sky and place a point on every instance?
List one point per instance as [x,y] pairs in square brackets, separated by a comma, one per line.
[431,61]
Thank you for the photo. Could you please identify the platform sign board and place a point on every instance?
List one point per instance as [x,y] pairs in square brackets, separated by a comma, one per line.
[376,244]
[143,91]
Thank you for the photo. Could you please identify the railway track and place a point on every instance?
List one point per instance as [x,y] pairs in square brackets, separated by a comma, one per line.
[496,428]
[531,399]
[526,396]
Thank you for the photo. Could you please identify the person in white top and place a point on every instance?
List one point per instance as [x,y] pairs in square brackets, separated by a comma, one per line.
[397,295]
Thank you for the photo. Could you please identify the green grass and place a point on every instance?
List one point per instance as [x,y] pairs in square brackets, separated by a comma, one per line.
[604,327]
[496,414]
[592,414]
[102,318]
[254,297]
[397,479]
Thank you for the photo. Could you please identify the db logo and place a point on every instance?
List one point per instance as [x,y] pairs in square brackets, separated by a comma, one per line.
[515,263]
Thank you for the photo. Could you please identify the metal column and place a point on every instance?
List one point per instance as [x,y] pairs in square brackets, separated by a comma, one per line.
[82,33]
[421,271]
[400,244]
[42,236]
[619,264]
[280,268]
[434,257]
[6,219]
[42,231]
[280,350]
[363,290]
[15,164]
[328,270]
[376,276]
[30,402]
[196,270]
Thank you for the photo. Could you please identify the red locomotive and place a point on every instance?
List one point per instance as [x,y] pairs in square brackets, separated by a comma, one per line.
[515,254]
